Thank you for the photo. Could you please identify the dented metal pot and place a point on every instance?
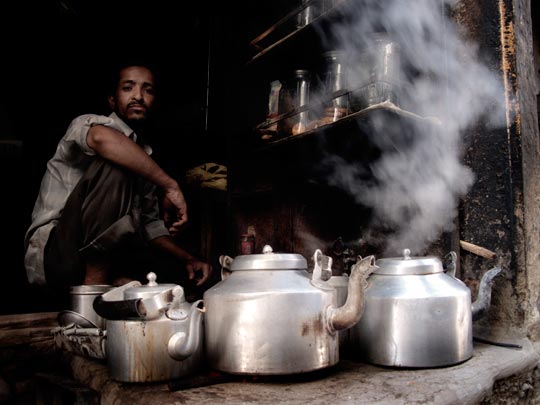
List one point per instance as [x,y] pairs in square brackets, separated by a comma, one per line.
[270,316]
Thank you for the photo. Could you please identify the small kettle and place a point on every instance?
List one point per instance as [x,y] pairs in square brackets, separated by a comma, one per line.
[153,333]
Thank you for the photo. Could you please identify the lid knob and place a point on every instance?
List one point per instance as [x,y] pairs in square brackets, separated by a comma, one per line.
[267,249]
[407,254]
[151,277]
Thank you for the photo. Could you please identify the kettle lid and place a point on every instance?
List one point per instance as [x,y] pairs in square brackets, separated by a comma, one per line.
[268,260]
[409,265]
[148,290]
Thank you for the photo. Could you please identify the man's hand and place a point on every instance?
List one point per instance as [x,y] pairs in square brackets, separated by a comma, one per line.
[175,213]
[196,270]
[195,266]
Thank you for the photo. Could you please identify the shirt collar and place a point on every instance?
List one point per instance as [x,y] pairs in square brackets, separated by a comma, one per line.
[123,127]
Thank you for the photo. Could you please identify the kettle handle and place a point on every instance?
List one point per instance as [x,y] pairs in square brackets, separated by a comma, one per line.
[226,262]
[115,310]
[109,307]
[321,263]
[451,265]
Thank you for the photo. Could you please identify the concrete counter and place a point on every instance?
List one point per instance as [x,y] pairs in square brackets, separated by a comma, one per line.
[349,382]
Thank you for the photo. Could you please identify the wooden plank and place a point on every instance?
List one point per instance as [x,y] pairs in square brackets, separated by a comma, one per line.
[20,329]
[18,321]
[24,336]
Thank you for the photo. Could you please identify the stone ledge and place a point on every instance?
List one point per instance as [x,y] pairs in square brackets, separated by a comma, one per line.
[347,383]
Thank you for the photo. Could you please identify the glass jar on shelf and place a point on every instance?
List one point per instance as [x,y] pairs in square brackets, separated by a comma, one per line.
[295,96]
[335,86]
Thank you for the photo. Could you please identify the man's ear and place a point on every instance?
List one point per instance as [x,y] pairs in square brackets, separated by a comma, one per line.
[111,102]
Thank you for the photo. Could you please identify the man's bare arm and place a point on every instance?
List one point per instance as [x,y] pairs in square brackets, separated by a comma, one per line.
[121,150]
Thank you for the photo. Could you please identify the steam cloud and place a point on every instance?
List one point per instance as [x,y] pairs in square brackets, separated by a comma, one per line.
[416,186]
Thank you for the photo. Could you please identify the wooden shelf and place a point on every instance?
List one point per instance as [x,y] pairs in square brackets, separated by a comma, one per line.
[283,33]
[359,117]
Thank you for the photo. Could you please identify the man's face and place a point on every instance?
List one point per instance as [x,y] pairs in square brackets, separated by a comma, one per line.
[134,95]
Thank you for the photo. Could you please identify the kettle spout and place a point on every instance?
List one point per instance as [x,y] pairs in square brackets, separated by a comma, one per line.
[483,301]
[183,344]
[350,313]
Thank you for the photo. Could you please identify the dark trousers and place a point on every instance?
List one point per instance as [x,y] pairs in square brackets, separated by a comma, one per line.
[100,216]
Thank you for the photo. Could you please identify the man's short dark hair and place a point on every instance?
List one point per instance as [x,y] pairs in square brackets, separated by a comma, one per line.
[114,77]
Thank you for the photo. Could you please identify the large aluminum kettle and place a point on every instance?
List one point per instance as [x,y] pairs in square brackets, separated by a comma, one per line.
[153,333]
[270,316]
[418,315]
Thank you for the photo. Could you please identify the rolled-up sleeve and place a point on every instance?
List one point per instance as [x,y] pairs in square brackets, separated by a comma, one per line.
[78,129]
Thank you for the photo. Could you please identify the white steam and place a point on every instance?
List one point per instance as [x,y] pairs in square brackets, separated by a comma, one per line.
[416,184]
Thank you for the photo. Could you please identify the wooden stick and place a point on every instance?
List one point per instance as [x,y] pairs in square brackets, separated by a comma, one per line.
[477,250]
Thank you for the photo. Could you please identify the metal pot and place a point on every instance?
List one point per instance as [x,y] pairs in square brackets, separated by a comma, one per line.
[82,298]
[271,317]
[418,315]
[153,333]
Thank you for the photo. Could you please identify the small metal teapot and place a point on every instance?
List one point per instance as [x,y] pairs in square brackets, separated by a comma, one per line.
[270,316]
[153,333]
[418,315]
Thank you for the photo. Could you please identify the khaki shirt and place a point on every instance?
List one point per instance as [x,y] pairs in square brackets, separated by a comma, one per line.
[64,170]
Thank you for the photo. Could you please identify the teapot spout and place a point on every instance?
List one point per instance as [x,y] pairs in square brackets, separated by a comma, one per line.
[350,313]
[183,344]
[483,301]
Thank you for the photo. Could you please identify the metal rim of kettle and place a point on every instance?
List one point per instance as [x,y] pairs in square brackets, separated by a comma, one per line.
[268,260]
[409,265]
